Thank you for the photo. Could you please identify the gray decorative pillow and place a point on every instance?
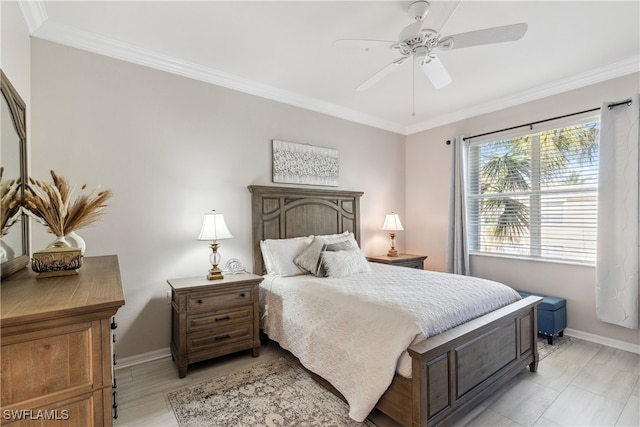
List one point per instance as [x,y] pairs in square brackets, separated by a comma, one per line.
[339,246]
[341,237]
[344,263]
[309,258]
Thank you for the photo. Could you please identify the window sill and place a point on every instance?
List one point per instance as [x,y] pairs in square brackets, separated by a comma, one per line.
[542,260]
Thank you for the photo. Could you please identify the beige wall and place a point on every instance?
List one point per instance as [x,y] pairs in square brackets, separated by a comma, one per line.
[15,58]
[171,149]
[15,49]
[428,165]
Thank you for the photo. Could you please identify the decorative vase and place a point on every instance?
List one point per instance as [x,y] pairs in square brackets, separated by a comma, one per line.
[60,242]
[6,252]
[76,241]
[70,240]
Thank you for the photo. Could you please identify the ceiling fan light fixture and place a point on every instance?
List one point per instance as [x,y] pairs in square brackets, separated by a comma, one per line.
[420,55]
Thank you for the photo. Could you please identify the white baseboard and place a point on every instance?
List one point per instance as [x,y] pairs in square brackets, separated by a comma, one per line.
[599,339]
[137,359]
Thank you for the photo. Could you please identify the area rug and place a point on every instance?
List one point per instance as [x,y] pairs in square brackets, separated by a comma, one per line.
[545,349]
[275,393]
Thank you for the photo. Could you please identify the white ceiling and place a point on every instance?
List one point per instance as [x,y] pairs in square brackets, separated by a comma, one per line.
[283,50]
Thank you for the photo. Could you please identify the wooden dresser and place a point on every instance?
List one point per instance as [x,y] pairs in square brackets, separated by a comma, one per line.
[56,360]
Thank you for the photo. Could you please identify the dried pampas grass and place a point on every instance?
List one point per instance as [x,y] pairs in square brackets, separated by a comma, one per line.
[9,202]
[51,204]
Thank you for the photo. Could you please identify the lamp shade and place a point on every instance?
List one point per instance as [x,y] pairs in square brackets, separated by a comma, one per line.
[214,227]
[392,222]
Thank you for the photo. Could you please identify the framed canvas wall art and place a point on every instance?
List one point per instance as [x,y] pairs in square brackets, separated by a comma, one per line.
[305,164]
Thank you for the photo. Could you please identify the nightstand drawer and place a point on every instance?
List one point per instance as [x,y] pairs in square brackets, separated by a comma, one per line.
[220,337]
[410,264]
[219,318]
[220,299]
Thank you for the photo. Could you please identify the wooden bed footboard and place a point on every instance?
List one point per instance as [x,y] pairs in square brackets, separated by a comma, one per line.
[454,371]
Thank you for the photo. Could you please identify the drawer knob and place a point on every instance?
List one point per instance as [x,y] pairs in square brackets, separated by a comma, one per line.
[242,295]
[222,337]
[220,319]
[199,301]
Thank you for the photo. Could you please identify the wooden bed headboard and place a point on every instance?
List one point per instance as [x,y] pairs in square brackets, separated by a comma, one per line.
[285,212]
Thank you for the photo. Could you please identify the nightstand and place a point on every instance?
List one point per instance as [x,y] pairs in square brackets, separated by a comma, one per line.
[211,318]
[402,260]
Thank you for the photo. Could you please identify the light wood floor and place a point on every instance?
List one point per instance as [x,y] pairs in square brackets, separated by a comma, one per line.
[580,384]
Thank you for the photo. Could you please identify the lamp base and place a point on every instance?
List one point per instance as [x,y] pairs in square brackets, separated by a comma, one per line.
[215,274]
[393,252]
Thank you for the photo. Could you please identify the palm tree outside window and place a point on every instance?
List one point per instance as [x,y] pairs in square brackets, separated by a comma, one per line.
[534,194]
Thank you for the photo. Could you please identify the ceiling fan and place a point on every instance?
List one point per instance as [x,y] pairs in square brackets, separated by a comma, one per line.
[418,41]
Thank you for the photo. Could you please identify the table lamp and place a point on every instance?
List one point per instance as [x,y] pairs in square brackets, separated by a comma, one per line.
[392,224]
[214,229]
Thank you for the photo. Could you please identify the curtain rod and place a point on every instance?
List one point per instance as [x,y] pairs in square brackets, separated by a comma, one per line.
[610,106]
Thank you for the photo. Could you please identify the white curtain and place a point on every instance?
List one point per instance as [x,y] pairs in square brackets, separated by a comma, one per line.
[618,221]
[458,253]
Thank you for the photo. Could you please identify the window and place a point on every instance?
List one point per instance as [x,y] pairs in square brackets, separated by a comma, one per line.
[534,194]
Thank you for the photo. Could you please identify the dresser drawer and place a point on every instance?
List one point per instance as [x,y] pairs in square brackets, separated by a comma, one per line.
[237,296]
[222,337]
[48,363]
[219,318]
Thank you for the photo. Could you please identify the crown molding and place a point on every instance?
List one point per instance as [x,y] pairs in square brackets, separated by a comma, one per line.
[85,40]
[35,15]
[612,71]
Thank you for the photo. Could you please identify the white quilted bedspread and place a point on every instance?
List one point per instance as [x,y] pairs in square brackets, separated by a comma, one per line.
[353,331]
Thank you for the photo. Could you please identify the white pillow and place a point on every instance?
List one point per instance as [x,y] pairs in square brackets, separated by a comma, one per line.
[281,252]
[345,263]
[266,258]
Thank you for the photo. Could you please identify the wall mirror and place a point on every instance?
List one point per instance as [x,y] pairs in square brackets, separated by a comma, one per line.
[14,252]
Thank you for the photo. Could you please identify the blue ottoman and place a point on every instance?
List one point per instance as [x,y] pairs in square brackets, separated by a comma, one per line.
[552,315]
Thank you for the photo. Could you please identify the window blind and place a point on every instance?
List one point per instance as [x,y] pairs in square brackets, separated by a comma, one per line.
[534,193]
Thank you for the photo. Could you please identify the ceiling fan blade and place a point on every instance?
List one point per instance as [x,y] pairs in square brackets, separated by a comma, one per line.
[410,31]
[388,69]
[507,33]
[435,71]
[362,44]
[439,14]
